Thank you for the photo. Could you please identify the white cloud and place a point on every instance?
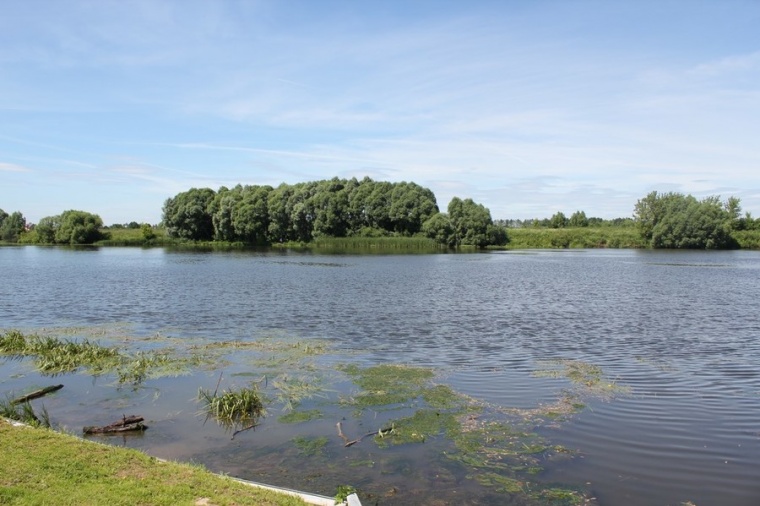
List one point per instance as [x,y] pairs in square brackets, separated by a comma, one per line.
[12,167]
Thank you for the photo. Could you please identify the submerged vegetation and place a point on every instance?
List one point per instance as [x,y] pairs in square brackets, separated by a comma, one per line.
[54,355]
[378,406]
[499,449]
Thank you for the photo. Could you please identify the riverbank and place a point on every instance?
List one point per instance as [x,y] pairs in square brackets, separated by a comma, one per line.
[41,466]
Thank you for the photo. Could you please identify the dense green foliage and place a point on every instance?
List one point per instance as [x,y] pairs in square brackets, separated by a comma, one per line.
[70,227]
[334,208]
[575,237]
[188,215]
[674,220]
[11,226]
[466,223]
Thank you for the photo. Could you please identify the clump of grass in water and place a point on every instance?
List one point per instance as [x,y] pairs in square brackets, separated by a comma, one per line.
[291,391]
[386,384]
[233,408]
[24,412]
[56,356]
[59,356]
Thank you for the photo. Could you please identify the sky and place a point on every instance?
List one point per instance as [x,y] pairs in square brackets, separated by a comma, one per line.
[527,107]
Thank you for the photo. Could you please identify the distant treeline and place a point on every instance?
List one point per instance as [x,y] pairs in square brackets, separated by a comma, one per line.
[329,208]
[360,212]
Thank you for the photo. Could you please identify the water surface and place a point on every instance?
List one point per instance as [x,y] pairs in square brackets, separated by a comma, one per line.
[679,330]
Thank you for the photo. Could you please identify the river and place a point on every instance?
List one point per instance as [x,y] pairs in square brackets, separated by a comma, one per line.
[677,332]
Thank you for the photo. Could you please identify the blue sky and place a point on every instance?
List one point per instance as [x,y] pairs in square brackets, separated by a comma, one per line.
[529,107]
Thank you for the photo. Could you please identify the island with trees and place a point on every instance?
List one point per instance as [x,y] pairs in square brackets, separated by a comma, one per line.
[316,213]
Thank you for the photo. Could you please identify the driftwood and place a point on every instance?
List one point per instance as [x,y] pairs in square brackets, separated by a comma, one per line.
[347,442]
[252,426]
[36,394]
[126,424]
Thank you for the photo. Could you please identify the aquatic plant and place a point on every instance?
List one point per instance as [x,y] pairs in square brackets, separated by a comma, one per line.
[233,407]
[300,416]
[588,379]
[310,446]
[342,492]
[24,412]
[386,384]
[291,391]
[53,355]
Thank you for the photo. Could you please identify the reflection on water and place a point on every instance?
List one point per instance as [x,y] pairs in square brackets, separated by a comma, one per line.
[679,329]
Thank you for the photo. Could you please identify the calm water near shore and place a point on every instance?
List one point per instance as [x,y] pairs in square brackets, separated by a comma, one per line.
[678,332]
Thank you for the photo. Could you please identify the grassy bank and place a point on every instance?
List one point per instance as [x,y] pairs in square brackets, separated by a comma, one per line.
[582,237]
[40,466]
[135,237]
[519,238]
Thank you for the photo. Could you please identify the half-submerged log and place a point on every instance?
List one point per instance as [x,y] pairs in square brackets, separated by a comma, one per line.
[36,394]
[126,424]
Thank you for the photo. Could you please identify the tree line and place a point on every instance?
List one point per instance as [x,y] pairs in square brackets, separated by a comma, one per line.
[351,208]
[336,207]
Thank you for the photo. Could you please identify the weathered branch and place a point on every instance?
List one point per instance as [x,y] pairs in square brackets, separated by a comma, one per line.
[36,394]
[126,424]
[352,442]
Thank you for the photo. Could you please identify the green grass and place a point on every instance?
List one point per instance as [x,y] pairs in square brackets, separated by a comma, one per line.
[233,408]
[24,412]
[40,466]
[383,385]
[135,237]
[53,355]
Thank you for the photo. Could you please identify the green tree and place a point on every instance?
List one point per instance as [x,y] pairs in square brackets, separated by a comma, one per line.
[331,210]
[11,226]
[147,232]
[473,225]
[578,219]
[78,227]
[188,215]
[250,218]
[558,220]
[411,205]
[438,227]
[46,229]
[674,220]
[278,210]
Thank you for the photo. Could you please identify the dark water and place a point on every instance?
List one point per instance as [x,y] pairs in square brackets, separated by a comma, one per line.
[680,329]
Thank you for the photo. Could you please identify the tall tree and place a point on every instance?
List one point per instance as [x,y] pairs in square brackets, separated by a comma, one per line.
[11,226]
[578,219]
[674,220]
[558,220]
[472,223]
[188,215]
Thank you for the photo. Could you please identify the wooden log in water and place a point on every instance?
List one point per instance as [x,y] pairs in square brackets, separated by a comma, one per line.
[126,424]
[36,394]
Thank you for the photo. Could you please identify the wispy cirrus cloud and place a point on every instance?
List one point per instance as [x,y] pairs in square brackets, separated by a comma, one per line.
[12,167]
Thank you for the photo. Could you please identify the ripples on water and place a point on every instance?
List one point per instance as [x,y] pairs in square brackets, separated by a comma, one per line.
[680,329]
